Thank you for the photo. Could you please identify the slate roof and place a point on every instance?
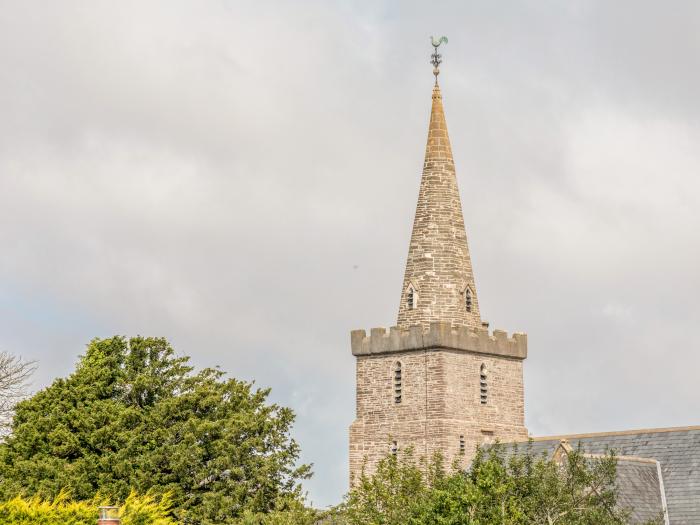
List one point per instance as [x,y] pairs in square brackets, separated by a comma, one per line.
[639,489]
[676,449]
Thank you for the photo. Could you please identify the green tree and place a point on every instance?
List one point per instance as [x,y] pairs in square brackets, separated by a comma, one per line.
[134,416]
[393,495]
[291,512]
[498,488]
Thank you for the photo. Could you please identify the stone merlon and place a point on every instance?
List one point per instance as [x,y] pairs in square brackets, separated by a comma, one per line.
[439,335]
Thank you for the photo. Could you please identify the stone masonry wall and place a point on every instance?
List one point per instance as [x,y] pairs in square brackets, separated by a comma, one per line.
[440,403]
[438,338]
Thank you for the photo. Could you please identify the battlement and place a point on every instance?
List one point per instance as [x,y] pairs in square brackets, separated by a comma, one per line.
[439,335]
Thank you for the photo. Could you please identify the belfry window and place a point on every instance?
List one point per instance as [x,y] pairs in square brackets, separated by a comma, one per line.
[411,298]
[468,299]
[483,385]
[397,382]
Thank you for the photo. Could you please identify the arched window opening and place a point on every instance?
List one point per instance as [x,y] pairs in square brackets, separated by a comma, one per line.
[462,445]
[483,384]
[468,299]
[397,382]
[394,448]
[411,298]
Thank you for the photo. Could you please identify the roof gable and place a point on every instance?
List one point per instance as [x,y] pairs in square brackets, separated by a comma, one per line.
[677,451]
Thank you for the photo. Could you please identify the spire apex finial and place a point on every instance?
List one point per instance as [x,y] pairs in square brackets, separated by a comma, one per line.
[436,58]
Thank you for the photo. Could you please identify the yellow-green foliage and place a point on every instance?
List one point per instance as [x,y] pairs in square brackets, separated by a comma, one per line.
[20,511]
[145,510]
[136,510]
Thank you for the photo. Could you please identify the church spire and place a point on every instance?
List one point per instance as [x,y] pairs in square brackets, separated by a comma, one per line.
[439,283]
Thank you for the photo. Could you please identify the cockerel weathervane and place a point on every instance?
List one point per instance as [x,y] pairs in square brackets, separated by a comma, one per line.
[437,57]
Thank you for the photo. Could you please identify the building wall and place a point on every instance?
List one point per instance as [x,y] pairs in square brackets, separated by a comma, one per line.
[440,402]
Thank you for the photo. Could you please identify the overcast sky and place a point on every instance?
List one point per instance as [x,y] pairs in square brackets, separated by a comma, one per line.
[241,177]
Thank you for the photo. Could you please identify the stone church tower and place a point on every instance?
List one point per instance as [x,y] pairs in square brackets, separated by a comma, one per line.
[438,380]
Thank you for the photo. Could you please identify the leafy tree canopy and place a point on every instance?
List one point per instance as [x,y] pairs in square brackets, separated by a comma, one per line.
[134,416]
[498,489]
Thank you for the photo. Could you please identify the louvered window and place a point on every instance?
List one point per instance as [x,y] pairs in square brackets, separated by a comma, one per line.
[483,385]
[397,382]
[468,299]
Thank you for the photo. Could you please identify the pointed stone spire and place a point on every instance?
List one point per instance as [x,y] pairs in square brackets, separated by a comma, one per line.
[439,282]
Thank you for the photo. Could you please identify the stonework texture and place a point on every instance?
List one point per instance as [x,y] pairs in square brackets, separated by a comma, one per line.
[438,266]
[440,402]
[439,342]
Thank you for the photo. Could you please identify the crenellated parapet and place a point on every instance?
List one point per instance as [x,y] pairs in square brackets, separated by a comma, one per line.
[438,335]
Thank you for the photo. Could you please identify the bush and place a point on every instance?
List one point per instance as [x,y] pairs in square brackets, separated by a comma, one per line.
[136,510]
[499,487]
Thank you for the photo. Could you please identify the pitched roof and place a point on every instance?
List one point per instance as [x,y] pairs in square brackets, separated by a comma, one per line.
[438,268]
[639,489]
[676,449]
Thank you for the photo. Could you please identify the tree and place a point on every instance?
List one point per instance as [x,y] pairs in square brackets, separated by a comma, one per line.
[399,488]
[497,489]
[134,416]
[14,374]
[292,512]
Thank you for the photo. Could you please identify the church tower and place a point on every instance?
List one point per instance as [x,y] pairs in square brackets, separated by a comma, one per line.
[438,380]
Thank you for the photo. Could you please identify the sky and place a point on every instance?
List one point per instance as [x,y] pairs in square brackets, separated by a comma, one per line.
[241,178]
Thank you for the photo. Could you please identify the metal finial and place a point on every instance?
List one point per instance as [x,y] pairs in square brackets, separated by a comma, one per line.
[436,58]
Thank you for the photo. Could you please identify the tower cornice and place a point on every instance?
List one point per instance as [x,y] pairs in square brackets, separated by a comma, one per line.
[441,336]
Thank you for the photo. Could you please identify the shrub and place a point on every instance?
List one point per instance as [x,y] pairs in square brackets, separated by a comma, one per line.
[136,510]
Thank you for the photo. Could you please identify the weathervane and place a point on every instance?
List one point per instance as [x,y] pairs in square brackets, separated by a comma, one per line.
[437,57]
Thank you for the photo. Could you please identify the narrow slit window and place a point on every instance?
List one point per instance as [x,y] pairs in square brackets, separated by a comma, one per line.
[462,445]
[468,299]
[394,448]
[398,379]
[411,298]
[483,385]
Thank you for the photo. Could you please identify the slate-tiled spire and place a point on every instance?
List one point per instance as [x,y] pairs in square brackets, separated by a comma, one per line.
[439,282]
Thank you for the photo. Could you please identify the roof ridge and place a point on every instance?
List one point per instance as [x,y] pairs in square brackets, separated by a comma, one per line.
[616,433]
[637,459]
